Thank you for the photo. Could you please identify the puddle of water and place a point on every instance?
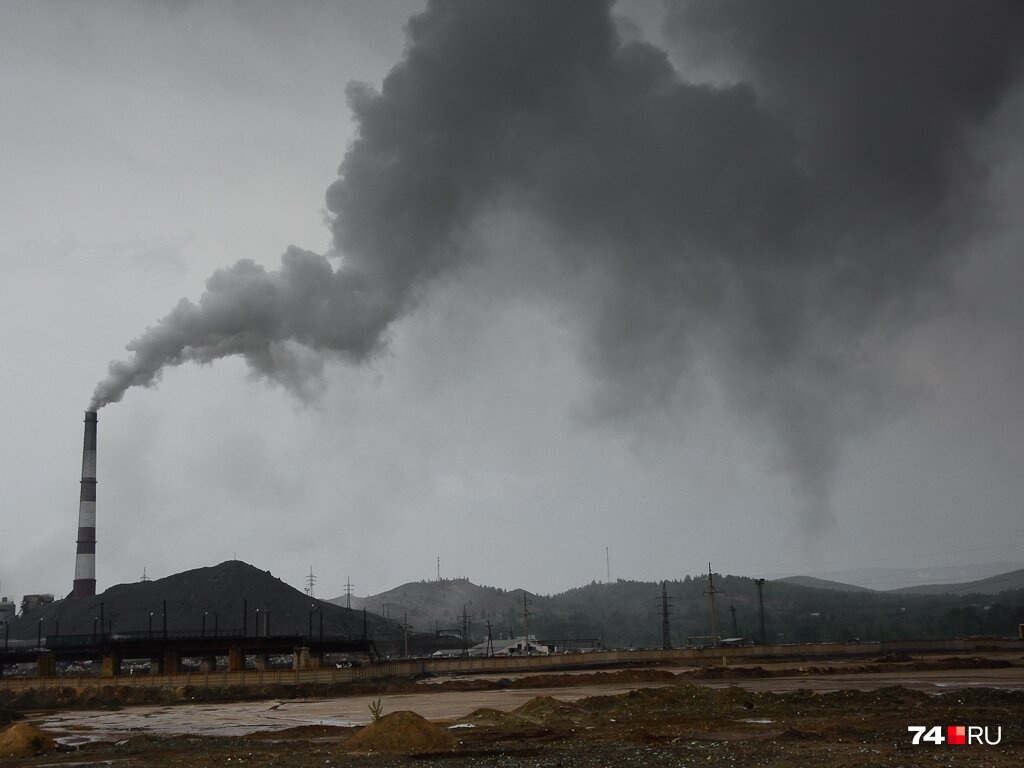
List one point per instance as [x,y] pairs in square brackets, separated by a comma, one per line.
[213,720]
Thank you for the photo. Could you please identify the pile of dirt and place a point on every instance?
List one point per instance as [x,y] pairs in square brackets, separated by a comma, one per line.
[545,711]
[894,658]
[24,740]
[403,732]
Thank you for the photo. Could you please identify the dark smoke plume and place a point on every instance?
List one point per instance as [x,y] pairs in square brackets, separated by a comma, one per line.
[781,228]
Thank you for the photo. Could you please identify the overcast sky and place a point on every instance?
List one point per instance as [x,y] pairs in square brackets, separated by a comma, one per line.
[700,282]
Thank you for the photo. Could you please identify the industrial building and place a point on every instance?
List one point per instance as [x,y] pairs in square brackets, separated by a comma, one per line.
[8,611]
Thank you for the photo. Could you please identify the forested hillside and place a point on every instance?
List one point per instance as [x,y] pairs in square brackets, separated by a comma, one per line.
[629,613]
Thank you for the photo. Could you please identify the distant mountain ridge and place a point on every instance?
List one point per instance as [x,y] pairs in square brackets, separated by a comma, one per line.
[629,613]
[883,579]
[811,581]
[993,585]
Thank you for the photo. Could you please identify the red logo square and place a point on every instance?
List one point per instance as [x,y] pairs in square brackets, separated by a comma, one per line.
[956,734]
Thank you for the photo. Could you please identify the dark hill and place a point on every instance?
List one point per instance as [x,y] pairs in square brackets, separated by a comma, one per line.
[439,605]
[220,592]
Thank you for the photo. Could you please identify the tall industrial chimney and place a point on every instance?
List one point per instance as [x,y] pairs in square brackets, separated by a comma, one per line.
[85,559]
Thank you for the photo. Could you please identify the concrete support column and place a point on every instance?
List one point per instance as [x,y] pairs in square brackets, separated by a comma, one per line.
[316,659]
[262,661]
[208,664]
[172,663]
[46,665]
[300,659]
[156,665]
[111,665]
[236,659]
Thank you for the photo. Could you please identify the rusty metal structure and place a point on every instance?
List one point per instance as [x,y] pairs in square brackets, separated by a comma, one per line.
[85,556]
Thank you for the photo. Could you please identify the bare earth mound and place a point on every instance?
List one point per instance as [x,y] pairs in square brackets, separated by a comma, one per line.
[404,732]
[23,740]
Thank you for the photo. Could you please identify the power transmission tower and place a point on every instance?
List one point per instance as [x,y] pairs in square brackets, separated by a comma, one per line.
[490,642]
[714,610]
[405,633]
[608,565]
[348,594]
[666,609]
[465,632]
[735,629]
[310,582]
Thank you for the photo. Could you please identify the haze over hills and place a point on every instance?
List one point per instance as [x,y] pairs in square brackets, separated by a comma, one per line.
[628,613]
[990,586]
[902,578]
[438,605]
[811,581]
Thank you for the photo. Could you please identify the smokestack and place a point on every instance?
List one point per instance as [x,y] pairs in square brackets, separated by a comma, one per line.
[85,559]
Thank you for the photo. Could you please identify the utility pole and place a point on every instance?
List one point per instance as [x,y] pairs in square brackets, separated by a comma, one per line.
[666,633]
[490,642]
[714,610]
[526,633]
[438,567]
[405,633]
[465,632]
[760,603]
[608,565]
[735,629]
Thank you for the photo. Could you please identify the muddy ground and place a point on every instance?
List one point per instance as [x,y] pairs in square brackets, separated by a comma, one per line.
[712,717]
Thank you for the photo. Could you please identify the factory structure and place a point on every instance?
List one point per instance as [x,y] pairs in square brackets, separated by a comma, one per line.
[85,554]
[8,611]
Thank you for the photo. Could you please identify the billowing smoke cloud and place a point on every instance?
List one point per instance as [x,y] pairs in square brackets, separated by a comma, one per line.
[779,228]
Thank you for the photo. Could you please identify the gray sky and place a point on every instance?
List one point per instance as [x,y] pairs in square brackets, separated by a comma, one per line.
[696,283]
